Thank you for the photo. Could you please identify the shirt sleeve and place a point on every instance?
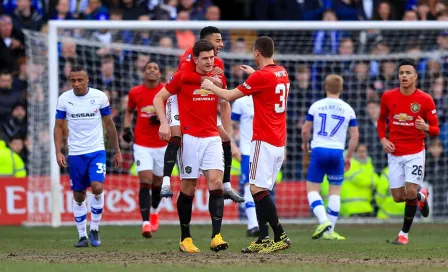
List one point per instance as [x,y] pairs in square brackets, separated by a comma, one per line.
[60,109]
[384,113]
[131,100]
[254,83]
[236,110]
[174,83]
[431,118]
[352,122]
[105,106]
[310,114]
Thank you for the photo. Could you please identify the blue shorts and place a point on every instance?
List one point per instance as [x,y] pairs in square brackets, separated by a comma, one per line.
[244,177]
[86,168]
[326,161]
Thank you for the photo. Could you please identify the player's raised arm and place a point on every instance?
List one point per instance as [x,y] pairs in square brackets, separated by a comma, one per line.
[159,106]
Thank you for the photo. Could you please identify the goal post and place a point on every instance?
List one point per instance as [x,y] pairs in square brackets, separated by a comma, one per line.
[285,33]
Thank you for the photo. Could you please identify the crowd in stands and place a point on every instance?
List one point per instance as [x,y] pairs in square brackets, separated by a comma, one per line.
[23,80]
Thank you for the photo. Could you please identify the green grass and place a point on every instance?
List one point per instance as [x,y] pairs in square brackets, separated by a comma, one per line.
[47,249]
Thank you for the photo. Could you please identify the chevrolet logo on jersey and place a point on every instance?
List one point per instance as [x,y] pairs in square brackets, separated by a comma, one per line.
[202,92]
[403,117]
[148,109]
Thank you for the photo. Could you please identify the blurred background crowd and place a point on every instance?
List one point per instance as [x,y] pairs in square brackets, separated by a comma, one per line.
[24,82]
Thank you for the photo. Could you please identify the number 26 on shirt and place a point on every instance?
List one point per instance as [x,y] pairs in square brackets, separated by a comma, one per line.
[283,90]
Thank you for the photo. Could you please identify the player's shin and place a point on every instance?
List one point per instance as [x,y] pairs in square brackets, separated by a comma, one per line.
[266,208]
[317,205]
[96,207]
[144,200]
[334,206]
[184,210]
[170,158]
[216,209]
[226,146]
[155,196]
[409,213]
[80,213]
[250,209]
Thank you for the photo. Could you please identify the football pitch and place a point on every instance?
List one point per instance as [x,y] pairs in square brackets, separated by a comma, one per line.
[46,249]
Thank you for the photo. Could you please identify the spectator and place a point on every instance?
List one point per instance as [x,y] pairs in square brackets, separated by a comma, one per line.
[16,124]
[380,49]
[8,96]
[327,41]
[131,11]
[166,42]
[11,5]
[357,88]
[346,10]
[437,163]
[195,10]
[26,17]
[166,10]
[239,46]
[95,11]
[10,163]
[368,131]
[387,79]
[423,11]
[410,15]
[17,145]
[20,82]
[384,12]
[62,11]
[11,44]
[213,13]
[185,38]
[139,65]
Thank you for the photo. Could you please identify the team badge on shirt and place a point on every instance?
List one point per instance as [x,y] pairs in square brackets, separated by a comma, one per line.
[415,107]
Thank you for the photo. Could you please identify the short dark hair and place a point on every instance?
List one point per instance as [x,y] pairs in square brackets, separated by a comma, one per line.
[201,46]
[78,68]
[151,61]
[265,45]
[407,62]
[208,30]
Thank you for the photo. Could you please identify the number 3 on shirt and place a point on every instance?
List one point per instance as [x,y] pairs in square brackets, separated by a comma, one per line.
[283,90]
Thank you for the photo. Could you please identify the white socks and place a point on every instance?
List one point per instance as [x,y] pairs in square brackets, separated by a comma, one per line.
[317,205]
[250,209]
[96,207]
[334,206]
[166,181]
[227,186]
[80,212]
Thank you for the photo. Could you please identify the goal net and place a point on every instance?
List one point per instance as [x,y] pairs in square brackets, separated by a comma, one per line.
[365,54]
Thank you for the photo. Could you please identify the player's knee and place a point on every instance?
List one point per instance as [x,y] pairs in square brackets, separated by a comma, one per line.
[156,181]
[188,187]
[254,189]
[97,188]
[411,193]
[145,177]
[79,196]
[215,184]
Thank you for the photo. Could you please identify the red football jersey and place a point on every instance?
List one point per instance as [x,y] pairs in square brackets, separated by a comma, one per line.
[198,108]
[402,111]
[141,98]
[188,67]
[269,89]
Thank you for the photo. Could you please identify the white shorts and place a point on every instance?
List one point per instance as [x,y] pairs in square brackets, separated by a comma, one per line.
[407,168]
[172,112]
[198,154]
[147,158]
[265,163]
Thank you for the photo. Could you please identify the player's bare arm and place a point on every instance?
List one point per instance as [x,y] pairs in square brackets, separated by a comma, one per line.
[352,144]
[247,69]
[159,106]
[113,137]
[58,135]
[306,134]
[228,95]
